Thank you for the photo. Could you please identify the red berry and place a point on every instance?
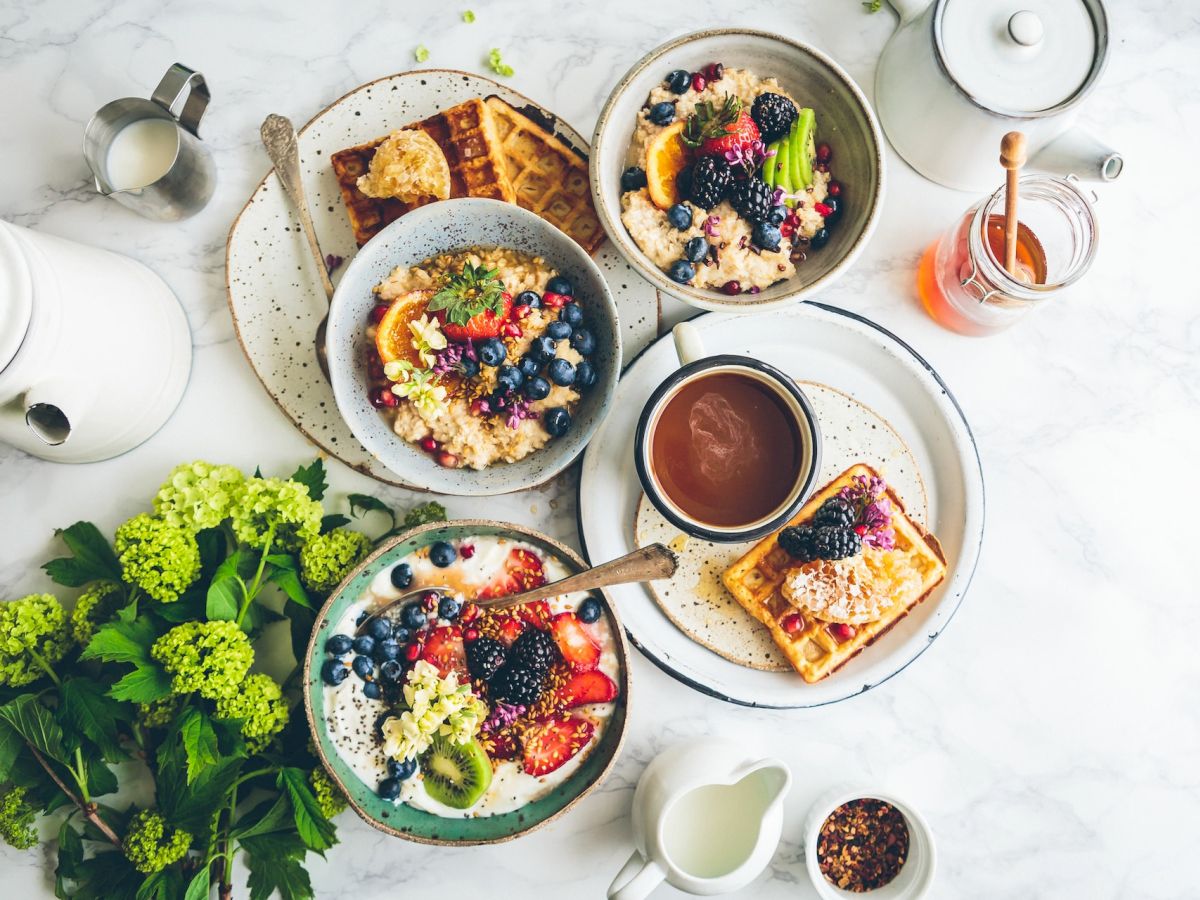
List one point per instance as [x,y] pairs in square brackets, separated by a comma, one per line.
[824,152]
[860,530]
[511,329]
[842,632]
[787,229]
[713,72]
[383,398]
[792,623]
[447,460]
[520,312]
[378,312]
[471,634]
[553,300]
[466,551]
[374,366]
[412,651]
[699,82]
[731,287]
[822,209]
[834,189]
[429,445]
[469,612]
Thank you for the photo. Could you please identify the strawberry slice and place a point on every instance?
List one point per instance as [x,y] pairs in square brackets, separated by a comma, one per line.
[736,134]
[537,614]
[585,687]
[502,745]
[549,744]
[479,327]
[510,630]
[575,642]
[444,649]
[522,571]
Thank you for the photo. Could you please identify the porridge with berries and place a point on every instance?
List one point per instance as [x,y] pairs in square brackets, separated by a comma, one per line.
[479,356]
[727,188]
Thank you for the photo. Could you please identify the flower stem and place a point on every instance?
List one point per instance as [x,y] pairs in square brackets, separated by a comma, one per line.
[226,887]
[41,661]
[80,773]
[256,583]
[89,810]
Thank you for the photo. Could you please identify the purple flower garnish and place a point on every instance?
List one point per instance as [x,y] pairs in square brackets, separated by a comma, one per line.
[449,359]
[502,715]
[710,225]
[332,262]
[518,413]
[749,156]
[874,510]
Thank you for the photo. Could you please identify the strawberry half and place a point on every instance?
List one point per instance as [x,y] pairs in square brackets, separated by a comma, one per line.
[502,745]
[575,642]
[537,614]
[444,649]
[551,743]
[522,570]
[585,687]
[479,327]
[739,133]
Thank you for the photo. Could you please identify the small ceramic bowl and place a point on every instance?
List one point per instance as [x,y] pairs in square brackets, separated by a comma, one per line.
[915,878]
[844,119]
[440,228]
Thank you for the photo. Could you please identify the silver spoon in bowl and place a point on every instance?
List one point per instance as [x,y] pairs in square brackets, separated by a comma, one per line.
[644,564]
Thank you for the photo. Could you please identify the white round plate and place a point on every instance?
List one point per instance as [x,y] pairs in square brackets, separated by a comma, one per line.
[273,287]
[811,342]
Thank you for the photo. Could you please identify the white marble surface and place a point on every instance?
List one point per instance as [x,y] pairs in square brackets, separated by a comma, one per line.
[1050,736]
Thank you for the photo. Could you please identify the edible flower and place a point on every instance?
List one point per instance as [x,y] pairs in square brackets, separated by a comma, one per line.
[502,716]
[710,225]
[468,16]
[435,706]
[451,358]
[421,53]
[749,156]
[498,65]
[427,338]
[419,388]
[869,496]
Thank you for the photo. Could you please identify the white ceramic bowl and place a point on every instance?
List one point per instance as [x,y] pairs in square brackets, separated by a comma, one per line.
[439,228]
[844,119]
[916,875]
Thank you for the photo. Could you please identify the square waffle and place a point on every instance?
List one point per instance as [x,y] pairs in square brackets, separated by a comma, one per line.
[756,578]
[548,176]
[467,135]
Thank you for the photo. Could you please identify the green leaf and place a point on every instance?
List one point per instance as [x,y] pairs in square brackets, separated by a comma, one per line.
[93,557]
[198,887]
[107,876]
[312,477]
[11,745]
[227,590]
[332,521]
[86,708]
[145,684]
[212,550]
[199,742]
[122,640]
[36,725]
[317,832]
[424,514]
[361,504]
[274,864]
[283,571]
[164,885]
[101,780]
[300,625]
[266,818]
[192,806]
[70,856]
[191,605]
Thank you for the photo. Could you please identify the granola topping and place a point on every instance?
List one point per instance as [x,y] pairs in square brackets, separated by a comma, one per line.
[862,845]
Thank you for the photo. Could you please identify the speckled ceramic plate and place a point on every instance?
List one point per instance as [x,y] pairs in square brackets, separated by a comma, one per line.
[694,597]
[274,294]
[812,343]
[400,819]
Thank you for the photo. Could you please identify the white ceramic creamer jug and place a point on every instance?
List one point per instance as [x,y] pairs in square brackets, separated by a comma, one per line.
[95,350]
[707,819]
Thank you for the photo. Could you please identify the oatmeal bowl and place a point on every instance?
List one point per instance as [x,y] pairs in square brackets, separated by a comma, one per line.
[737,170]
[473,347]
[446,722]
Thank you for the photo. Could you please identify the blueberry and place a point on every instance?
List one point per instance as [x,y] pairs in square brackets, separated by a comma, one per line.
[403,770]
[766,236]
[412,615]
[679,81]
[589,610]
[530,367]
[364,666]
[571,314]
[389,789]
[585,375]
[401,576]
[557,421]
[364,645]
[583,341]
[531,299]
[682,271]
[371,690]
[559,330]
[470,367]
[334,671]
[835,207]
[820,239]
[662,113]
[442,553]
[537,388]
[561,372]
[339,644]
[777,215]
[391,671]
[401,634]
[560,284]
[380,629]
[448,608]
[362,617]
[695,250]
[680,216]
[510,377]
[633,178]
[543,348]
[492,352]
[385,650]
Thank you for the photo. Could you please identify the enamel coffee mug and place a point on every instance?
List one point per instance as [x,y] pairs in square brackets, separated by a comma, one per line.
[728,447]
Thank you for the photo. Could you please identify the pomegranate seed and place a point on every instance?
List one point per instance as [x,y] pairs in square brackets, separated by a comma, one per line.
[466,551]
[860,530]
[430,599]
[824,152]
[471,634]
[699,82]
[383,398]
[834,189]
[731,287]
[378,312]
[374,366]
[511,329]
[469,612]
[842,632]
[792,623]
[412,651]
[823,210]
[429,445]
[447,460]
[787,229]
[520,312]
[553,300]
[713,72]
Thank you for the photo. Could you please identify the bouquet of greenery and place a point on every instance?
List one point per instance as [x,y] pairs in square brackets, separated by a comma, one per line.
[154,673]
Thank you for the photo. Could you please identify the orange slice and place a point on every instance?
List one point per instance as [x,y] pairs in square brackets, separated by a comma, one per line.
[393,340]
[666,157]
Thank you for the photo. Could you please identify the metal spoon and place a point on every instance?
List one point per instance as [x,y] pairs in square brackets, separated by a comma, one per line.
[644,564]
[279,137]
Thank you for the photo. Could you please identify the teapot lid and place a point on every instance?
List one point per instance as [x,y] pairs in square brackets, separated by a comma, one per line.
[16,295]
[1023,58]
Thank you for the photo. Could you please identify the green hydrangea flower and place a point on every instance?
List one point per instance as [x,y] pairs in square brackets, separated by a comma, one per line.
[329,796]
[272,505]
[160,558]
[16,819]
[210,657]
[151,845]
[33,635]
[259,703]
[325,560]
[424,514]
[198,495]
[158,713]
[95,605]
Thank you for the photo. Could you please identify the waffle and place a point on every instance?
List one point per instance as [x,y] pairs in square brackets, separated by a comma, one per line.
[549,177]
[467,135]
[756,578]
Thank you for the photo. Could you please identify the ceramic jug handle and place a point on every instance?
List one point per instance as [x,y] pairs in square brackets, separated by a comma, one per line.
[689,346]
[180,82]
[637,878]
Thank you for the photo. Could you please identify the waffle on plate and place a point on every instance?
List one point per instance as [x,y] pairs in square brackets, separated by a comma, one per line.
[813,648]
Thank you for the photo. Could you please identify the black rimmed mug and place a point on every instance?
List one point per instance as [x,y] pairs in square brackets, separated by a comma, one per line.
[719,446]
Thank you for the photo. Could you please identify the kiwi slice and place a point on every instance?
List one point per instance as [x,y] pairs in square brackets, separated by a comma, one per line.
[783,171]
[802,140]
[768,166]
[456,774]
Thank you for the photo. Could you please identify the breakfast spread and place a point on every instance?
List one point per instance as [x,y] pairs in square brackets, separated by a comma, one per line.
[727,187]
[460,710]
[862,845]
[479,356]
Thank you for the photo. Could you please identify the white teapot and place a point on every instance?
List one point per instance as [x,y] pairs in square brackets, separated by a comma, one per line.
[958,74]
[95,350]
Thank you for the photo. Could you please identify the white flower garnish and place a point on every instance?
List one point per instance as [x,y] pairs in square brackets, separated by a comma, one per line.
[436,705]
[427,338]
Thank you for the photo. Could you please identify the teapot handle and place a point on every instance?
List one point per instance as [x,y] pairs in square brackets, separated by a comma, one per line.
[637,878]
[908,10]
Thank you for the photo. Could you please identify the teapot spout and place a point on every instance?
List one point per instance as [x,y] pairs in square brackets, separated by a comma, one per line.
[53,409]
[1078,152]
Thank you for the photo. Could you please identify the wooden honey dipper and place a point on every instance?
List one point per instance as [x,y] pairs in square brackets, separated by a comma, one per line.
[1012,157]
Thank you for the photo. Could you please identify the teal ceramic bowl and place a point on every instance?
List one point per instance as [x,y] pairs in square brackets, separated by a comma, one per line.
[413,824]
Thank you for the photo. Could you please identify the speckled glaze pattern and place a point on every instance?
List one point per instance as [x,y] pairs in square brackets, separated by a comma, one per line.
[844,119]
[273,290]
[401,820]
[440,228]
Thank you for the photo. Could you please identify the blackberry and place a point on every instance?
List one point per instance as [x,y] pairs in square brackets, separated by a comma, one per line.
[535,650]
[836,511]
[797,543]
[753,199]
[832,542]
[712,178]
[517,685]
[485,656]
[774,115]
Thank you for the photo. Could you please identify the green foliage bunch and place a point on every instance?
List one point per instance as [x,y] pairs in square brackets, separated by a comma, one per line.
[158,668]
